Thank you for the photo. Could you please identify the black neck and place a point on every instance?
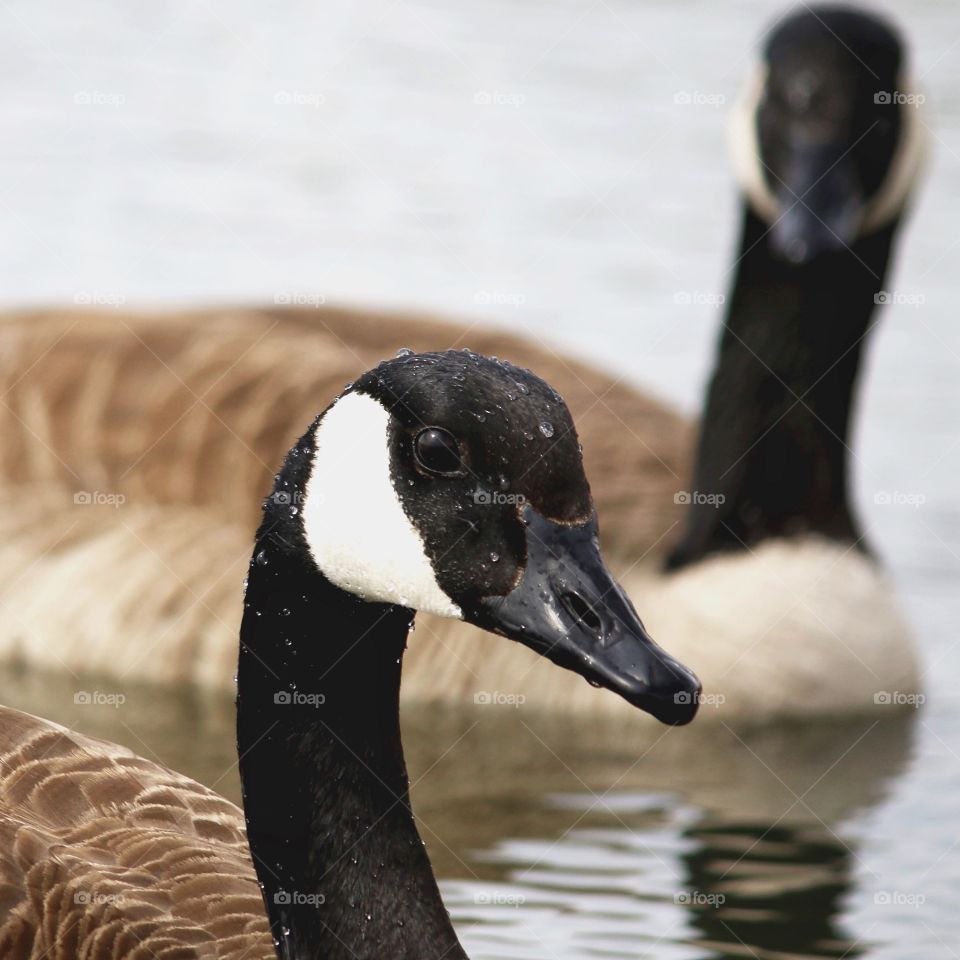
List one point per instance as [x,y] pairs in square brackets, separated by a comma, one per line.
[343,869]
[774,433]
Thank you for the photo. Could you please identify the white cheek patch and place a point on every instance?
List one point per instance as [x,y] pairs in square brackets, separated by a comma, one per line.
[888,202]
[356,528]
[745,148]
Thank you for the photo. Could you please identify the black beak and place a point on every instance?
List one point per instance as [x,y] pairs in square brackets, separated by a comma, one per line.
[820,203]
[569,608]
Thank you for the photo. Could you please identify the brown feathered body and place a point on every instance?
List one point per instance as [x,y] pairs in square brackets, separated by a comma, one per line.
[107,855]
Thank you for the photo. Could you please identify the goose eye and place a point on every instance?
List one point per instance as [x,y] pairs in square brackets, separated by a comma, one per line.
[438,452]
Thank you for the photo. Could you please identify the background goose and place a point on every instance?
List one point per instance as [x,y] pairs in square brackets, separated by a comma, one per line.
[107,855]
[182,413]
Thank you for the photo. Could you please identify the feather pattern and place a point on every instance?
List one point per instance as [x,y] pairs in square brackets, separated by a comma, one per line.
[107,855]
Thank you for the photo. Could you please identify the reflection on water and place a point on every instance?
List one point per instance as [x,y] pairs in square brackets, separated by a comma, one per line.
[572,840]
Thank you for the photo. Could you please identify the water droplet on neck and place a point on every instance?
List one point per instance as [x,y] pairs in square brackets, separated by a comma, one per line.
[523,388]
[261,558]
[494,557]
[546,428]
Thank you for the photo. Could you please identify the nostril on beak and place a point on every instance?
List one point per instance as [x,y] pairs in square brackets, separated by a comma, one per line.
[581,611]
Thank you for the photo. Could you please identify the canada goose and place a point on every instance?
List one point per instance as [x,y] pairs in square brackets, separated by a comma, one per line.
[174,413]
[374,515]
[828,145]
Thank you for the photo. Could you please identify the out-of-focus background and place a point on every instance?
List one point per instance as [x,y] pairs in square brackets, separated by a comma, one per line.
[559,170]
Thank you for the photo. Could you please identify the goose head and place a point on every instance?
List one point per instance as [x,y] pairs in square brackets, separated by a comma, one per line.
[827,138]
[453,484]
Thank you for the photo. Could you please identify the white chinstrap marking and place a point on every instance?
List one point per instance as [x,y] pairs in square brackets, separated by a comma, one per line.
[907,163]
[745,148]
[355,526]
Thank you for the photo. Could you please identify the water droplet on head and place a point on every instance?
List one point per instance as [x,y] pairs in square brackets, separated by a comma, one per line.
[262,558]
[546,428]
[494,557]
[404,352]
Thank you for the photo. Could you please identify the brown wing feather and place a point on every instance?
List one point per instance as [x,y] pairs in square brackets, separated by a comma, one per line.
[106,855]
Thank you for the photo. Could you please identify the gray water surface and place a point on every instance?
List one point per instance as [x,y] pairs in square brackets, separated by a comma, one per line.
[558,169]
